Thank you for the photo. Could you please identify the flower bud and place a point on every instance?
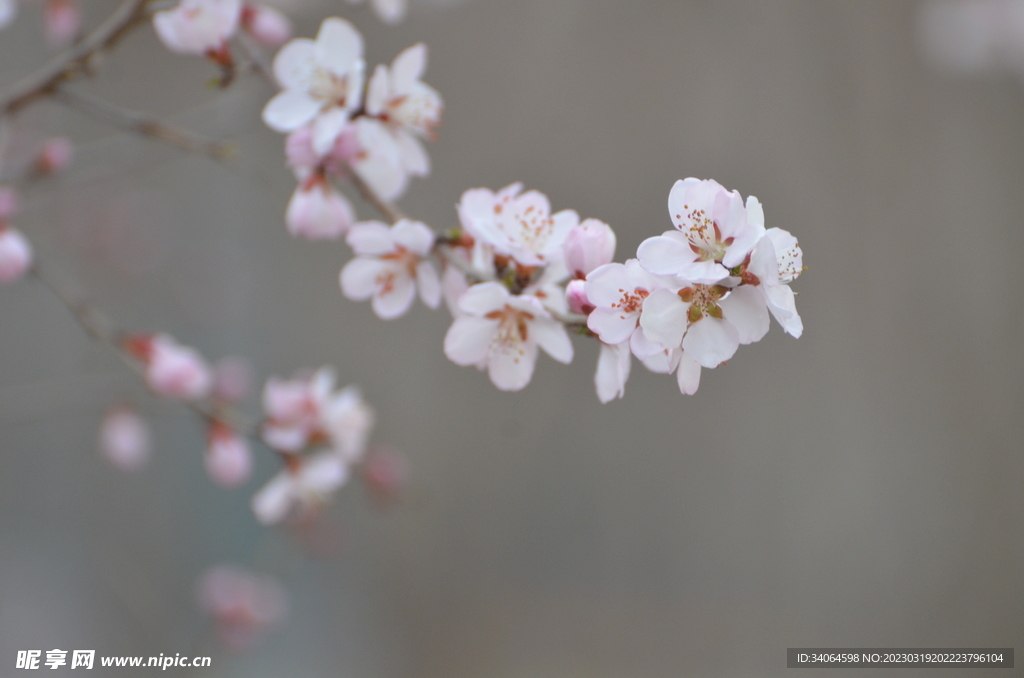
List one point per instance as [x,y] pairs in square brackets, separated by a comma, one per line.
[15,254]
[589,245]
[318,212]
[228,457]
[124,439]
[55,156]
[174,371]
[267,25]
[576,297]
[62,21]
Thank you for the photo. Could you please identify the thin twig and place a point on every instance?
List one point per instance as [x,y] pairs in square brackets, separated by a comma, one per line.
[75,61]
[144,124]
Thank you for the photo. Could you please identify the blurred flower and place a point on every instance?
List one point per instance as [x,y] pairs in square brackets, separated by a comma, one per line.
[228,457]
[389,11]
[317,211]
[55,155]
[124,439]
[589,245]
[172,370]
[266,25]
[8,11]
[243,605]
[305,484]
[200,27]
[15,254]
[62,20]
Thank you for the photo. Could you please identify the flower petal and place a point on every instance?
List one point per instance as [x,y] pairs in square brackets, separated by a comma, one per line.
[468,340]
[294,64]
[664,256]
[359,278]
[482,298]
[394,296]
[429,284]
[688,374]
[370,237]
[511,369]
[339,46]
[408,67]
[289,110]
[711,341]
[551,336]
[613,365]
[664,318]
[745,309]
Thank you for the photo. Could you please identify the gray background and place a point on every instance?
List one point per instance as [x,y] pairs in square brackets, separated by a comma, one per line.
[856,487]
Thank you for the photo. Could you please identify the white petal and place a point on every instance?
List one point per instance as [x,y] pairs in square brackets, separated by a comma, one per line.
[611,325]
[322,473]
[512,369]
[782,304]
[394,300]
[294,64]
[359,278]
[551,336]
[326,128]
[414,236]
[430,286]
[408,67]
[389,11]
[377,91]
[272,503]
[710,341]
[688,375]
[482,298]
[468,340]
[289,110]
[370,237]
[703,272]
[664,318]
[414,156]
[613,365]
[745,309]
[642,347]
[339,46]
[664,256]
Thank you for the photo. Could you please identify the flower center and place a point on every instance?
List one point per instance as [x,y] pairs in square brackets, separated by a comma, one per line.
[703,300]
[328,87]
[631,302]
[513,330]
[704,235]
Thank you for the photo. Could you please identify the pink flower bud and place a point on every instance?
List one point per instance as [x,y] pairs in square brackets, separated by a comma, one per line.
[173,370]
[15,254]
[62,20]
[228,457]
[232,379]
[55,155]
[267,25]
[318,212]
[8,202]
[243,605]
[576,297]
[299,153]
[124,439]
[589,245]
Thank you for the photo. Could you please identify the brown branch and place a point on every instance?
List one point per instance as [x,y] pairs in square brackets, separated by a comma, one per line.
[75,61]
[144,124]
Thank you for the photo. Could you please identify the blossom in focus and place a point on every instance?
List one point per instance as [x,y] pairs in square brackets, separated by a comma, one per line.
[228,457]
[15,254]
[776,261]
[200,27]
[172,370]
[244,605]
[408,107]
[715,232]
[576,297]
[62,20]
[517,225]
[322,83]
[589,245]
[502,332]
[391,263]
[124,439]
[389,11]
[304,485]
[317,211]
[266,25]
[618,293]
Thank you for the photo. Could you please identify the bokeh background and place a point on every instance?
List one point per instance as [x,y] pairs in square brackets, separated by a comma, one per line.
[859,486]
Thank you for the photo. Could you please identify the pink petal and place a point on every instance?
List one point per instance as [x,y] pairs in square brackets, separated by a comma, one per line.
[468,340]
[359,278]
[339,46]
[395,300]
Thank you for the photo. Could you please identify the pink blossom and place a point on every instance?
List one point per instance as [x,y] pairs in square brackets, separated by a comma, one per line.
[317,211]
[172,370]
[303,485]
[618,293]
[244,605]
[322,83]
[589,245]
[408,107]
[715,232]
[124,439]
[200,27]
[776,261]
[267,25]
[62,21]
[391,263]
[15,254]
[228,458]
[517,225]
[502,332]
[55,155]
[576,297]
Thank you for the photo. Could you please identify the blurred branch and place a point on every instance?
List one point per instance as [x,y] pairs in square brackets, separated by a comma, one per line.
[75,61]
[143,124]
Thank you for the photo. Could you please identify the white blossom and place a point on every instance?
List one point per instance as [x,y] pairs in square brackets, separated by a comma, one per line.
[15,254]
[303,485]
[173,370]
[390,265]
[200,27]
